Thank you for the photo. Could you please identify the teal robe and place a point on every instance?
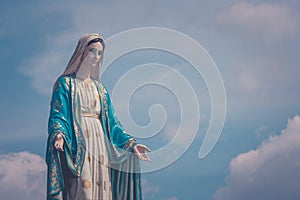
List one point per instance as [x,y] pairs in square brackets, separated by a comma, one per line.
[65,119]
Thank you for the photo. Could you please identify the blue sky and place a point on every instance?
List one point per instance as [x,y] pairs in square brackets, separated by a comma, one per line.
[255,45]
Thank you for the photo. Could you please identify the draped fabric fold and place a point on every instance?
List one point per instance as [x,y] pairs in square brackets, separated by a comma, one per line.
[65,119]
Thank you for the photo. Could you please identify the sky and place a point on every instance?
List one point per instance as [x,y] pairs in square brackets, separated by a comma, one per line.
[254,46]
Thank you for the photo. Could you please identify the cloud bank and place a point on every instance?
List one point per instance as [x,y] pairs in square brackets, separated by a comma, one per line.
[22,176]
[269,172]
[268,21]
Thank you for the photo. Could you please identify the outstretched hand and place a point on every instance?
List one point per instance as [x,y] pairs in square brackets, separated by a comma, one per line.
[59,143]
[140,151]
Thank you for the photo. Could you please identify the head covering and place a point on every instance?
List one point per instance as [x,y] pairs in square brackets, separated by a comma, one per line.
[76,59]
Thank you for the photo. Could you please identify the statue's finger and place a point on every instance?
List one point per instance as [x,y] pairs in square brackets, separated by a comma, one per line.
[147,157]
[149,150]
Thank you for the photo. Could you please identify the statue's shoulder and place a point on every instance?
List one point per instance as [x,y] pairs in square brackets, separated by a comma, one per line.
[101,87]
[64,80]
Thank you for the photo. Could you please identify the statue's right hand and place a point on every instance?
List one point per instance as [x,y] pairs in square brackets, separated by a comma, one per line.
[59,143]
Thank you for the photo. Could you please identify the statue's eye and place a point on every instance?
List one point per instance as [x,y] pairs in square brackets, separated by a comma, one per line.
[92,50]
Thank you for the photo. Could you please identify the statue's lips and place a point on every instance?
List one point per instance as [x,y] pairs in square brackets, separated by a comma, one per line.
[92,61]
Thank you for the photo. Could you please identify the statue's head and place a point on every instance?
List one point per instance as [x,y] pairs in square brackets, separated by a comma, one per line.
[88,54]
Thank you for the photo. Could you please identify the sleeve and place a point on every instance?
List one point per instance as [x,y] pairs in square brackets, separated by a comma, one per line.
[125,168]
[60,114]
[58,124]
[59,118]
[118,135]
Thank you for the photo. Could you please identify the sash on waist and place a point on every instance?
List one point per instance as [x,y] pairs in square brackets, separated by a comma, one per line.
[91,115]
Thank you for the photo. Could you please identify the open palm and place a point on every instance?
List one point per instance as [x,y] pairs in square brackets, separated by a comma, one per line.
[140,151]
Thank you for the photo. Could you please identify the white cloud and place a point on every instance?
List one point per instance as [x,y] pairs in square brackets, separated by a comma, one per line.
[107,18]
[260,83]
[268,21]
[269,172]
[22,176]
[43,70]
[149,190]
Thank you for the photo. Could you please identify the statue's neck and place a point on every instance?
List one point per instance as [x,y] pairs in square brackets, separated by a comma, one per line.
[84,72]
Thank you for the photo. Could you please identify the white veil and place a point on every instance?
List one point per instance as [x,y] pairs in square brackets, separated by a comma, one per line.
[77,59]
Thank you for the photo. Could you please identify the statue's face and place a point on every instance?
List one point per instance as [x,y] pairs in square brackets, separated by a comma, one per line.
[93,53]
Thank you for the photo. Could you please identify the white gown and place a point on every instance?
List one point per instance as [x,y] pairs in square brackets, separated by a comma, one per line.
[95,179]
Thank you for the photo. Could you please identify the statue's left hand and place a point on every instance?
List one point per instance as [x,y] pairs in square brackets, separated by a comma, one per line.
[140,151]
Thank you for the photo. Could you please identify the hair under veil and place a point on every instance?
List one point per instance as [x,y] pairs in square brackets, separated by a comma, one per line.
[77,57]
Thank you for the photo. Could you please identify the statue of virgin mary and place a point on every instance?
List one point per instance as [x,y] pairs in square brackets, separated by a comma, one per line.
[89,155]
